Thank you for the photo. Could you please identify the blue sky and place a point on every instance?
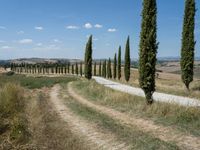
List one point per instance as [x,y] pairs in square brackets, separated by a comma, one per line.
[59,28]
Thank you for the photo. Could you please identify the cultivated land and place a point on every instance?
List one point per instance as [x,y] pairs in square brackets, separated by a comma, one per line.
[56,112]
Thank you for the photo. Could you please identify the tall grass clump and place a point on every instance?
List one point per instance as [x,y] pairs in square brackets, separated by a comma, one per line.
[12,107]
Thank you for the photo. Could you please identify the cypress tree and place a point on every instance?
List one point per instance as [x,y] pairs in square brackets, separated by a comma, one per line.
[188,43]
[127,63]
[115,67]
[88,59]
[119,64]
[95,69]
[65,68]
[81,69]
[109,71]
[62,69]
[72,69]
[104,69]
[76,69]
[56,69]
[148,49]
[100,69]
[68,67]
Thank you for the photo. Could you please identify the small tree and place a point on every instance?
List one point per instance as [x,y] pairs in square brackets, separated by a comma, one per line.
[109,70]
[148,49]
[95,69]
[68,67]
[188,43]
[76,69]
[115,67]
[127,59]
[72,69]
[119,64]
[100,73]
[104,69]
[81,69]
[88,59]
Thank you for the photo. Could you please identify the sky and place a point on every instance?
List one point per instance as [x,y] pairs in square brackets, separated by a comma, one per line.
[60,28]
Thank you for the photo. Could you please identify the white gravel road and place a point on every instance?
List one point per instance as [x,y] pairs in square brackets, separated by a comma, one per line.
[161,97]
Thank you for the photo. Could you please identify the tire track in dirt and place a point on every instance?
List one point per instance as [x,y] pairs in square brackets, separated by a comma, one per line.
[166,134]
[93,135]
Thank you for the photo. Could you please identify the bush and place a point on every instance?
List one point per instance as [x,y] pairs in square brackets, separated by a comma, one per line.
[10,73]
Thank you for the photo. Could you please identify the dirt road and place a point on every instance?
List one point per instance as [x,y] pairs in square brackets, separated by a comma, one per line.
[166,134]
[93,136]
[161,97]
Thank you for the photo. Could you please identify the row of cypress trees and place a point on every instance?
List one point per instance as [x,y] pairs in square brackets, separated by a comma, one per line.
[68,68]
[105,69]
[148,50]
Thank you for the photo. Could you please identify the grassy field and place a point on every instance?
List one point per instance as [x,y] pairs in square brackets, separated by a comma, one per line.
[130,135]
[36,82]
[182,118]
[27,118]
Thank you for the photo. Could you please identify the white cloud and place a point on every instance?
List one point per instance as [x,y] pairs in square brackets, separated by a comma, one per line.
[6,47]
[57,41]
[95,39]
[26,41]
[71,27]
[98,26]
[20,32]
[39,28]
[88,25]
[112,30]
[39,44]
[2,27]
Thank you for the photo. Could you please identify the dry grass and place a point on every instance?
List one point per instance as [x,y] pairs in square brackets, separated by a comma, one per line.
[166,83]
[13,126]
[183,118]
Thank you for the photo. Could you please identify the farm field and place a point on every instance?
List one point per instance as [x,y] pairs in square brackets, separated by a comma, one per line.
[67,108]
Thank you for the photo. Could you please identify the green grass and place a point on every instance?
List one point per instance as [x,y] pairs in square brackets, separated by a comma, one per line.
[136,139]
[179,117]
[34,82]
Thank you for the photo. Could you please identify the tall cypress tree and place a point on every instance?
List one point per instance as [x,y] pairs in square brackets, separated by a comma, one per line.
[76,68]
[104,69]
[188,43]
[81,69]
[100,69]
[95,69]
[148,49]
[119,64]
[115,67]
[88,59]
[127,63]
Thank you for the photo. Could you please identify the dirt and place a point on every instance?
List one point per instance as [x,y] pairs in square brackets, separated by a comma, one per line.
[166,134]
[48,131]
[97,138]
